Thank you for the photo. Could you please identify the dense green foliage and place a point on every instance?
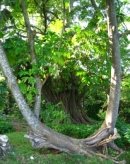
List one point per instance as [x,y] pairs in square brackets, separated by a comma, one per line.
[5,125]
[71,48]
[56,118]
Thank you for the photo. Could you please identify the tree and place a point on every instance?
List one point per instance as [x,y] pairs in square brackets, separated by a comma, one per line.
[46,49]
[114,96]
[43,136]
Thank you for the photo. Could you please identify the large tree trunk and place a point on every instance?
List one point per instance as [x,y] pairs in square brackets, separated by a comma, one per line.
[46,137]
[69,98]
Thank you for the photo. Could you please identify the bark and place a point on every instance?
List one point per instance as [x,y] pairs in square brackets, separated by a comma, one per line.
[70,100]
[114,95]
[38,97]
[72,106]
[67,14]
[94,19]
[71,5]
[64,16]
[37,105]
[93,2]
[30,35]
[4,145]
[43,136]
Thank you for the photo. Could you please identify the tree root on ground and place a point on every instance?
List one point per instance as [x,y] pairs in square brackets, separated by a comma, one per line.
[89,146]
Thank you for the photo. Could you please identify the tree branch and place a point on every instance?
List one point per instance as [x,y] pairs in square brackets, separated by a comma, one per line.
[114,94]
[40,31]
[125,33]
[42,136]
[14,27]
[29,32]
[94,4]
[37,105]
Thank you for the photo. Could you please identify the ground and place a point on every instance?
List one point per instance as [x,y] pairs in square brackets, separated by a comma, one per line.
[23,153]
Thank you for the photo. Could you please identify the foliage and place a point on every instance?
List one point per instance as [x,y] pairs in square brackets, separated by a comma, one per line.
[53,115]
[76,130]
[126,88]
[27,84]
[127,134]
[126,156]
[68,41]
[56,118]
[16,49]
[5,125]
[3,94]
[123,130]
[125,97]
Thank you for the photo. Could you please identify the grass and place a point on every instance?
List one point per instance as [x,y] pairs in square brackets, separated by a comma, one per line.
[23,153]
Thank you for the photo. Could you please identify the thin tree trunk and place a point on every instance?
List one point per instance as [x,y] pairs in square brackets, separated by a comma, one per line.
[43,136]
[37,105]
[30,34]
[71,5]
[46,137]
[114,96]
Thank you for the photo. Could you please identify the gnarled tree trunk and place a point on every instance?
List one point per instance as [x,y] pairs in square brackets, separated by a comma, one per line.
[46,137]
[70,99]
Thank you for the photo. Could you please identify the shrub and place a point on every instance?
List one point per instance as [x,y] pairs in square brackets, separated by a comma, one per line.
[124,131]
[53,115]
[127,135]
[5,125]
[77,130]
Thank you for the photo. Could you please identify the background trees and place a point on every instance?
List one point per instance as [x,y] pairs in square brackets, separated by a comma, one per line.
[59,53]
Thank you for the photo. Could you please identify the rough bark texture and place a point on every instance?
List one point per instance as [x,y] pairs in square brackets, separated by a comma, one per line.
[114,96]
[37,105]
[30,35]
[4,145]
[69,99]
[43,136]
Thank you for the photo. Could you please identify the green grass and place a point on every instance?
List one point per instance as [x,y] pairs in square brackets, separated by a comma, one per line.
[22,152]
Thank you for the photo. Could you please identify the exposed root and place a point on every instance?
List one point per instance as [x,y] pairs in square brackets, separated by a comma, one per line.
[39,142]
[115,147]
[102,137]
[89,146]
[110,158]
